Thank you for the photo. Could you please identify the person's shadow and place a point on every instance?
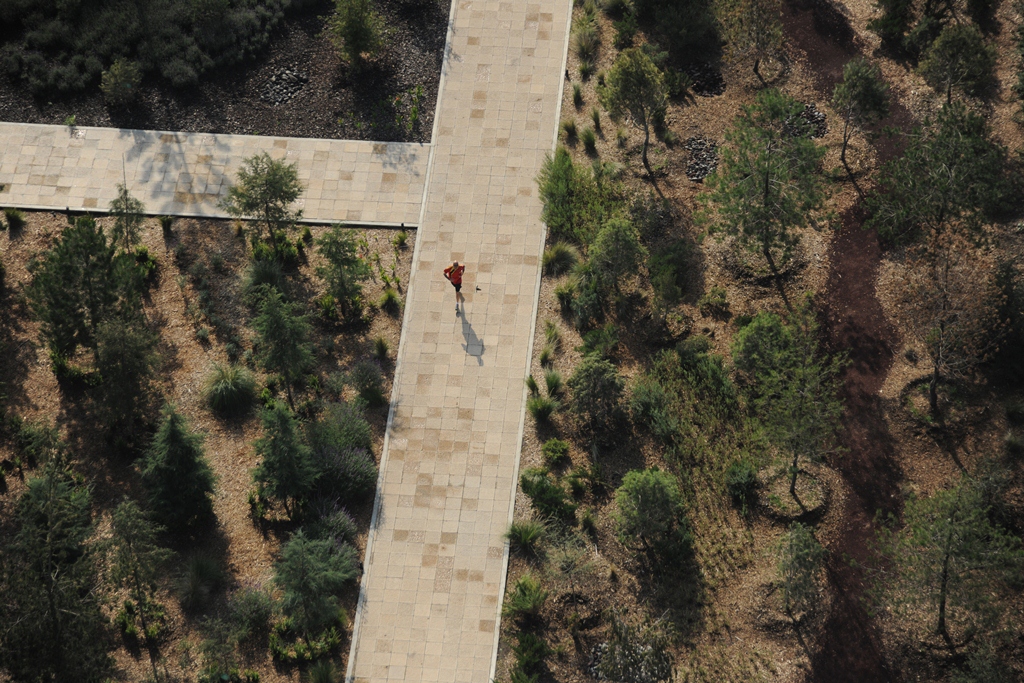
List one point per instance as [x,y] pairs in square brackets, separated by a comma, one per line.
[474,345]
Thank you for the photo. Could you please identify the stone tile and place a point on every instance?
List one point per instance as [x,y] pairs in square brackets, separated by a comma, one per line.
[174,173]
[454,439]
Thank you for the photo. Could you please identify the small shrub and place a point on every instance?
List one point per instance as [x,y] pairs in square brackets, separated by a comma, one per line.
[585,41]
[547,497]
[368,381]
[531,384]
[553,381]
[307,235]
[251,610]
[322,671]
[357,29]
[202,577]
[541,408]
[203,334]
[327,307]
[530,651]
[741,482]
[526,536]
[556,453]
[1013,444]
[400,240]
[595,117]
[120,83]
[589,139]
[565,293]
[547,357]
[552,334]
[526,599]
[166,222]
[229,389]
[390,302]
[714,301]
[569,128]
[380,349]
[559,258]
[588,522]
[586,69]
[15,219]
[600,342]
[345,474]
[334,524]
[625,31]
[262,275]
[1015,412]
[577,97]
[621,137]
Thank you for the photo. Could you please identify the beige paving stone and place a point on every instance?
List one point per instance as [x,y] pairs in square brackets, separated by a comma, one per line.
[57,167]
[438,556]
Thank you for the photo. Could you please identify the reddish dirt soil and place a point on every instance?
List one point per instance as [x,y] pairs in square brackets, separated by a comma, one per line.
[854,323]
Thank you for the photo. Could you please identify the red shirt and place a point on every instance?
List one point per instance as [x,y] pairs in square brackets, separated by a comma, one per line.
[454,274]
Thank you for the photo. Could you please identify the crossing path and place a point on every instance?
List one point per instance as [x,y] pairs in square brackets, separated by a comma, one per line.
[186,174]
[430,601]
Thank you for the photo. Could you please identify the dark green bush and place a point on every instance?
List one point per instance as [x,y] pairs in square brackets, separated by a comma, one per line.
[203,575]
[530,651]
[15,219]
[334,524]
[251,609]
[556,452]
[541,408]
[589,139]
[741,482]
[345,474]
[575,204]
[368,381]
[390,302]
[689,27]
[548,498]
[64,48]
[600,342]
[526,599]
[553,383]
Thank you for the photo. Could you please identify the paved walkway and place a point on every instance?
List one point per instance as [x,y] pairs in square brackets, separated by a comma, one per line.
[185,174]
[430,602]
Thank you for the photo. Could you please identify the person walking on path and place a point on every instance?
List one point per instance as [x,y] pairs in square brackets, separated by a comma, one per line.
[453,274]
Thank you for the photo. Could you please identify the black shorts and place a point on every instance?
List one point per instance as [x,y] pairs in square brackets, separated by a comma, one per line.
[458,287]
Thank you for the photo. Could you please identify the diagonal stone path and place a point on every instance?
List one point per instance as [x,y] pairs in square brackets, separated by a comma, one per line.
[430,600]
[186,174]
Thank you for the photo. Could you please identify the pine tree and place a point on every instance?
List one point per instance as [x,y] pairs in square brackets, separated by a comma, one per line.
[178,479]
[959,58]
[126,358]
[284,347]
[265,191]
[53,628]
[76,286]
[616,251]
[344,270]
[767,181]
[950,560]
[286,471]
[862,99]
[312,573]
[136,560]
[650,509]
[128,216]
[636,87]
[596,389]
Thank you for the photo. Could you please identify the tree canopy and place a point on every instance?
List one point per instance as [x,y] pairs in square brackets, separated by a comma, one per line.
[635,87]
[767,181]
[312,573]
[959,58]
[284,346]
[265,190]
[344,270]
[861,98]
[286,470]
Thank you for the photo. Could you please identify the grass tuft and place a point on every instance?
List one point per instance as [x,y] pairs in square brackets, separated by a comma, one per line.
[229,389]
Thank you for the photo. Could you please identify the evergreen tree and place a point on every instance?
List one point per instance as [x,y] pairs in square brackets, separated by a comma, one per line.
[286,471]
[767,181]
[799,563]
[950,560]
[635,87]
[650,509]
[178,479]
[345,268]
[959,58]
[616,251]
[950,171]
[862,99]
[284,347]
[357,29]
[52,625]
[312,573]
[596,392]
[948,299]
[76,286]
[127,212]
[136,560]
[126,358]
[793,385]
[265,191]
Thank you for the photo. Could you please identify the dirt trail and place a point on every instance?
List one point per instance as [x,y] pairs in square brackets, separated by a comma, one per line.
[848,647]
